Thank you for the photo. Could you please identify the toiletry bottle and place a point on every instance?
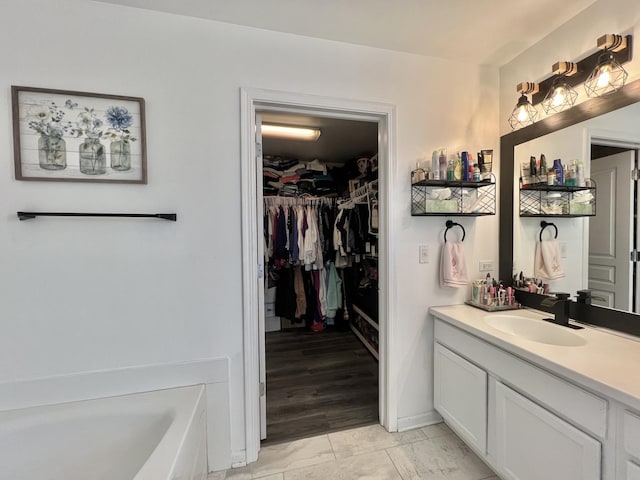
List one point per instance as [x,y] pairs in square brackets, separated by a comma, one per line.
[570,175]
[559,171]
[465,166]
[525,173]
[543,166]
[443,164]
[450,169]
[551,177]
[476,172]
[457,172]
[480,157]
[417,175]
[533,169]
[579,173]
[435,168]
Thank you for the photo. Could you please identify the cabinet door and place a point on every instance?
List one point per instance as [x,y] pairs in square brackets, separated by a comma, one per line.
[460,396]
[534,444]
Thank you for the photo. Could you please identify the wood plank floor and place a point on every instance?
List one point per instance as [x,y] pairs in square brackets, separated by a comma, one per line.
[318,382]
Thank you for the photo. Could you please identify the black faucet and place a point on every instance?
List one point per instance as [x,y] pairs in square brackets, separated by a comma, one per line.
[584,296]
[559,305]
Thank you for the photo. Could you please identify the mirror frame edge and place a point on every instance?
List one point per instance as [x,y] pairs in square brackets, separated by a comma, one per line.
[627,95]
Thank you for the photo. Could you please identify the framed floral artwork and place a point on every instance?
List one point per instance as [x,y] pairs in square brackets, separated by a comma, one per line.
[60,135]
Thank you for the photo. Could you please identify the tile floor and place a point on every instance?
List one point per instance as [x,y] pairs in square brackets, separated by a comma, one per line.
[431,453]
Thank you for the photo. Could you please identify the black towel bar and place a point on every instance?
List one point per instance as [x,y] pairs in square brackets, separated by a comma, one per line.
[165,216]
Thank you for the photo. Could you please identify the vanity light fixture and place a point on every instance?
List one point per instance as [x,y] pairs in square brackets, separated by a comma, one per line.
[524,113]
[590,70]
[291,133]
[608,75]
[561,95]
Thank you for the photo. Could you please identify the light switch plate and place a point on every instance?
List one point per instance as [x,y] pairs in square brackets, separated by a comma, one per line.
[424,254]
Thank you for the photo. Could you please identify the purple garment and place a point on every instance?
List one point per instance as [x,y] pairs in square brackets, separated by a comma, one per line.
[295,251]
[280,248]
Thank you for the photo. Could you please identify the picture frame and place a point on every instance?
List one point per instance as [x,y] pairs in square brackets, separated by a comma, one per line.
[69,136]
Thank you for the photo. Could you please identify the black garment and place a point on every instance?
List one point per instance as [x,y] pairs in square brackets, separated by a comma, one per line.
[327,219]
[285,294]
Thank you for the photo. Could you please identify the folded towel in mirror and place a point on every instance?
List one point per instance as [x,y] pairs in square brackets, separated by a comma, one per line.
[547,260]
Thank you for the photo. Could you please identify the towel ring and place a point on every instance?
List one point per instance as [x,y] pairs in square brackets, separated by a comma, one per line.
[451,224]
[544,225]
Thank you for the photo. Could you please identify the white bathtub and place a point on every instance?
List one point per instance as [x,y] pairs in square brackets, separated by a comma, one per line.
[157,435]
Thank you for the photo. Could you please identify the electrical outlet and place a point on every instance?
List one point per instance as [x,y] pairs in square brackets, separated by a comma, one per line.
[424,253]
[486,266]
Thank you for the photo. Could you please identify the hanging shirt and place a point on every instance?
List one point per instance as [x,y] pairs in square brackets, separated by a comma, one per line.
[293,221]
[281,255]
[334,290]
[310,239]
[302,228]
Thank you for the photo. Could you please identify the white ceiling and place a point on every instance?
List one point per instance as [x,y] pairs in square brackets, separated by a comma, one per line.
[488,32]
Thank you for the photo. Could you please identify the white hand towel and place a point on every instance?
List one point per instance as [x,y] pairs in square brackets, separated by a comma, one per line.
[547,260]
[453,268]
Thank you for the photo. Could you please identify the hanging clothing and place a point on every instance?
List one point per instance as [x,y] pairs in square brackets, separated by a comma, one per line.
[334,290]
[302,238]
[301,299]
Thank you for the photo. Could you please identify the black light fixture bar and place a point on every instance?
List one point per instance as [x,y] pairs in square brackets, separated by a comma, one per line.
[585,67]
[165,216]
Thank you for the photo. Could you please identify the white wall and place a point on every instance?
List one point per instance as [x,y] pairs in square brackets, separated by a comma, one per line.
[82,294]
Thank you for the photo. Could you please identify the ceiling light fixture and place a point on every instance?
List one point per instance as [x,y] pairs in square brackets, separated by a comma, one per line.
[561,95]
[608,75]
[524,113]
[310,134]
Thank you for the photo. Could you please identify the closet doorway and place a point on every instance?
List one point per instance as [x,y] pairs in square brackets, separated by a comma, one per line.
[320,219]
[254,102]
[613,232]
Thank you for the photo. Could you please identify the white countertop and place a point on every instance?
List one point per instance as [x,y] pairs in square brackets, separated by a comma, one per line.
[608,363]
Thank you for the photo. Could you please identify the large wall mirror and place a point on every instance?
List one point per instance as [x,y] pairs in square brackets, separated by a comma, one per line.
[604,133]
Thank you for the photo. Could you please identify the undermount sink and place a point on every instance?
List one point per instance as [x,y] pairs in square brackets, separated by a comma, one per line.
[535,330]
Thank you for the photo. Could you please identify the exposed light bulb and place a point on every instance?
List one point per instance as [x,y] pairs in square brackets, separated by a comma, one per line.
[523,115]
[558,97]
[604,77]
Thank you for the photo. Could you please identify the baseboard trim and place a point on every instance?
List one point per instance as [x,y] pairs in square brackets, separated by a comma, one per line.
[239,459]
[417,421]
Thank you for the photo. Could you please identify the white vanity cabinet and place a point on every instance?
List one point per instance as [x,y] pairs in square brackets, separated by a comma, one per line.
[460,396]
[630,439]
[526,423]
[532,443]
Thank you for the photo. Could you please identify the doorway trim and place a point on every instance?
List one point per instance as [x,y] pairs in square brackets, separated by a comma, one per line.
[253,100]
[613,138]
